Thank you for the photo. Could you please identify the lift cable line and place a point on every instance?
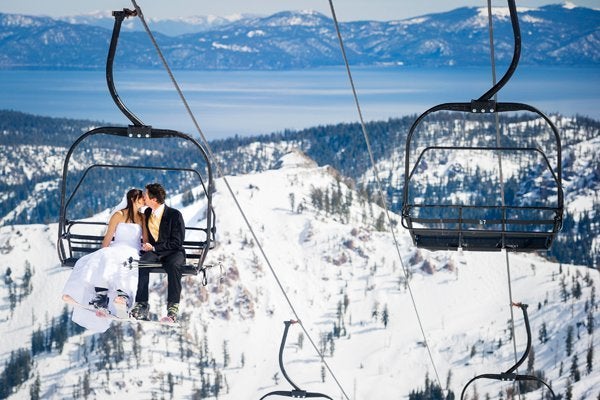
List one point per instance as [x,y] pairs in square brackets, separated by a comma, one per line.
[517,36]
[380,189]
[231,192]
[509,242]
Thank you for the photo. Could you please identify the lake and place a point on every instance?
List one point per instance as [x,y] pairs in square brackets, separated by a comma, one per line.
[245,103]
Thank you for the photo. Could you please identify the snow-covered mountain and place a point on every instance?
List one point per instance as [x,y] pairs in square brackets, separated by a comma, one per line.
[167,26]
[340,274]
[552,35]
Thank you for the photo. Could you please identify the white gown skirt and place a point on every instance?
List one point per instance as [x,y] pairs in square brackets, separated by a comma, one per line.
[104,268]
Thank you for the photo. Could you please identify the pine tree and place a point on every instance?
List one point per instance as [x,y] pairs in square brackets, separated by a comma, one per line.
[225,354]
[569,390]
[135,345]
[543,333]
[380,223]
[171,383]
[564,294]
[34,390]
[187,198]
[217,384]
[87,390]
[26,286]
[576,289]
[569,341]
[590,358]
[575,374]
[12,298]
[7,278]
[473,351]
[385,316]
[37,341]
[433,391]
[560,368]
[531,362]
[375,311]
[17,371]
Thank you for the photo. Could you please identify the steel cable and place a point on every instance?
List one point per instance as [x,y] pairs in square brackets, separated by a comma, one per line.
[239,207]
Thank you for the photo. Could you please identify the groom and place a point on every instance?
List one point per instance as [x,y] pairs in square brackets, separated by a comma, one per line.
[166,232]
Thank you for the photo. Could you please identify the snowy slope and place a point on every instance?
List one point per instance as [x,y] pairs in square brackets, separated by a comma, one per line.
[319,258]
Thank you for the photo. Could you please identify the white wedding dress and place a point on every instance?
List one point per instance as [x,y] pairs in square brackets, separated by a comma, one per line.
[104,268]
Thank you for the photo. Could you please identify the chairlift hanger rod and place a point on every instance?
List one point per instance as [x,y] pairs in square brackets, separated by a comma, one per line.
[510,375]
[119,17]
[296,392]
[487,96]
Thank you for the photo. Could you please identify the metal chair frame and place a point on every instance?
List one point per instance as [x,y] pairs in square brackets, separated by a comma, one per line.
[453,230]
[71,245]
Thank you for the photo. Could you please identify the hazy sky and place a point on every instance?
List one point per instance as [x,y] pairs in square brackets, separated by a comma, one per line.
[346,10]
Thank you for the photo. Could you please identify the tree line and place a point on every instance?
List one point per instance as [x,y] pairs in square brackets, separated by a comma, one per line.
[340,146]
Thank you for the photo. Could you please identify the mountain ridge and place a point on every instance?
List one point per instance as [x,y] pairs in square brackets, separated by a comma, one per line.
[552,35]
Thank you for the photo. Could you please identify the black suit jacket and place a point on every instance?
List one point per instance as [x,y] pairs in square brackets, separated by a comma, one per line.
[171,232]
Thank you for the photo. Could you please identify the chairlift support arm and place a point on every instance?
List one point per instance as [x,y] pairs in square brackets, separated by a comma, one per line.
[510,375]
[119,17]
[514,20]
[296,392]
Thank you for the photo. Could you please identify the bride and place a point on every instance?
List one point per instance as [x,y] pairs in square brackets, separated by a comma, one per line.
[100,279]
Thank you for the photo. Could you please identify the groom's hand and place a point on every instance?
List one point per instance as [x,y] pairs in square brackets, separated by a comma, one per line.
[147,247]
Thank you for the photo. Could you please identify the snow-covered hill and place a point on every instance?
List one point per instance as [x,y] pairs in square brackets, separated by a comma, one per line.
[338,271]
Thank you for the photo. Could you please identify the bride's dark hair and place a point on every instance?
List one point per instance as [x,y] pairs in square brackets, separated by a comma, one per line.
[132,196]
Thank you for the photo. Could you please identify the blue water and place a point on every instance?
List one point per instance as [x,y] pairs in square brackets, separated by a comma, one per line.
[227,103]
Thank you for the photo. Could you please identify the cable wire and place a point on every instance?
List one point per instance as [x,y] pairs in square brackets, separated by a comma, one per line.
[379,188]
[497,122]
[239,207]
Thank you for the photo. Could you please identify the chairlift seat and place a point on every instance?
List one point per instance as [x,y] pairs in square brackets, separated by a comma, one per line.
[481,227]
[481,240]
[85,244]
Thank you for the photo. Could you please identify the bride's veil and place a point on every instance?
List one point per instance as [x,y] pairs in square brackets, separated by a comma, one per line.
[120,206]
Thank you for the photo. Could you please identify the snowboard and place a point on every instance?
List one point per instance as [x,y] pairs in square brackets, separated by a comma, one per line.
[121,315]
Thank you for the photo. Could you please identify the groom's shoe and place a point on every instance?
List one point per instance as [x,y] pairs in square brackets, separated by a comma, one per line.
[172,312]
[141,311]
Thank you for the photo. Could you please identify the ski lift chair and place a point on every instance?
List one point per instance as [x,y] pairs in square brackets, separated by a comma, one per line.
[484,224]
[78,237]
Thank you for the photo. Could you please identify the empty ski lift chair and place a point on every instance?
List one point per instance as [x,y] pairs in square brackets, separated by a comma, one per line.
[525,213]
[78,236]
